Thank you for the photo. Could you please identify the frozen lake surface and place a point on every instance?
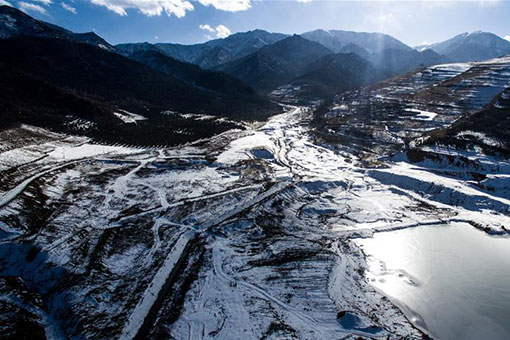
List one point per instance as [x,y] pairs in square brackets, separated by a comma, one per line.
[450,280]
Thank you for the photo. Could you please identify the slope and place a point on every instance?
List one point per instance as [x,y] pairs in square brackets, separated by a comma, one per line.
[68,79]
[474,46]
[276,64]
[383,51]
[14,22]
[220,51]
[211,80]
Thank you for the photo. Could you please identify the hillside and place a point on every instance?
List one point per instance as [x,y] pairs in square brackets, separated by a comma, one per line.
[192,74]
[219,51]
[475,46]
[14,22]
[335,73]
[276,64]
[386,53]
[488,128]
[77,83]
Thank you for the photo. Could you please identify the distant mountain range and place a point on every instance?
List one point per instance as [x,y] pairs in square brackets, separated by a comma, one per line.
[474,46]
[267,61]
[385,52]
[366,45]
[219,51]
[53,76]
[277,64]
[215,81]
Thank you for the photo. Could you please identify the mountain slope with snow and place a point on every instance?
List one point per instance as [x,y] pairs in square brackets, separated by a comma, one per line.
[382,50]
[220,51]
[475,46]
[276,64]
[371,43]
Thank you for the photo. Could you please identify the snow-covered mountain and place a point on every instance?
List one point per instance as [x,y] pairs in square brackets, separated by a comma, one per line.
[361,43]
[219,51]
[382,50]
[276,64]
[475,46]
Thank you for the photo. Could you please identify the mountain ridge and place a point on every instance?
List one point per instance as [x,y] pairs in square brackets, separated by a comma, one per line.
[192,74]
[218,51]
[474,46]
[69,78]
[276,64]
[14,22]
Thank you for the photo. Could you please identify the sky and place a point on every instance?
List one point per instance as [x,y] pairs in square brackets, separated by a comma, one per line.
[195,21]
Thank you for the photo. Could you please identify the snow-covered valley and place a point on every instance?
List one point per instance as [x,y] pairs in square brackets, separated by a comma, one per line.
[249,234]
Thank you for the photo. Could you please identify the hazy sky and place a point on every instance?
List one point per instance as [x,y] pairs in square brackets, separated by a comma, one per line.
[185,21]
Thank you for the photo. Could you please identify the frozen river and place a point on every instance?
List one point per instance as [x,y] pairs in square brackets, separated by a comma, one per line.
[452,280]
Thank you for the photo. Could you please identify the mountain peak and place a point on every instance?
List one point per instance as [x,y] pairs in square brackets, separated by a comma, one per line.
[91,38]
[474,46]
[91,34]
[320,31]
[14,22]
[15,14]
[220,51]
[253,33]
[297,40]
[9,9]
[276,64]
[295,37]
[474,34]
[258,31]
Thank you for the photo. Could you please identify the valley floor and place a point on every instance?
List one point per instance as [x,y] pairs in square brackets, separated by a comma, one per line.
[250,234]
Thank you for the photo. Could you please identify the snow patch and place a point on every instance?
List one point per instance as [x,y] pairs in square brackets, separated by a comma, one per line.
[482,137]
[151,293]
[128,117]
[86,150]
[121,263]
[422,115]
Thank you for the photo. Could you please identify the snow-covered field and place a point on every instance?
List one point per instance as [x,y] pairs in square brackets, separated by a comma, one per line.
[247,235]
[250,234]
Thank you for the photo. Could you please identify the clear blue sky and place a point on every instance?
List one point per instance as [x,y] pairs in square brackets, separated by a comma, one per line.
[183,21]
